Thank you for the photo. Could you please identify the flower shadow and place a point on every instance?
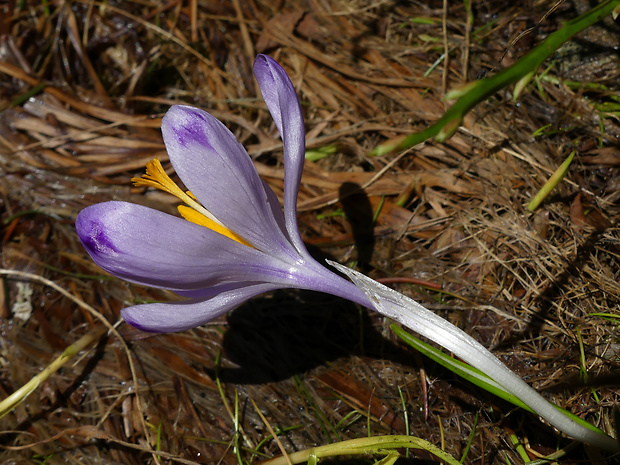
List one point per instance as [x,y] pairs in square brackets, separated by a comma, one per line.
[290,332]
[358,211]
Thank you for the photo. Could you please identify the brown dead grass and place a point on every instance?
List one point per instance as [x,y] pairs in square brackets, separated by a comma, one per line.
[83,87]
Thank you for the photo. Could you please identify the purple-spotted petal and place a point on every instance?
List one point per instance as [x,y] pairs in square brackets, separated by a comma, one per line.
[153,248]
[219,172]
[179,316]
[283,104]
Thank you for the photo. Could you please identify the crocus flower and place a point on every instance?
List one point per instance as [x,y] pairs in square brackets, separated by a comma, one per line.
[233,242]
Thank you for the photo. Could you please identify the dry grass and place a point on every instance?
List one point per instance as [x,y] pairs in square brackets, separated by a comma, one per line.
[82,89]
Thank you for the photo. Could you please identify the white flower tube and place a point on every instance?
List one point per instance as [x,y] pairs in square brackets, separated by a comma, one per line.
[421,320]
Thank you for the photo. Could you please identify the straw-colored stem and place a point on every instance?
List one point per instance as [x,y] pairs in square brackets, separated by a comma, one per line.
[23,392]
[380,445]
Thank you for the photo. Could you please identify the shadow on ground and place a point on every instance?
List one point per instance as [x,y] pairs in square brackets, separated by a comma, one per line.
[291,332]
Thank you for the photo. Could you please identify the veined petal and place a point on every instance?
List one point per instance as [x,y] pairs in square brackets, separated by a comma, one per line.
[276,209]
[220,174]
[150,247]
[179,316]
[283,104]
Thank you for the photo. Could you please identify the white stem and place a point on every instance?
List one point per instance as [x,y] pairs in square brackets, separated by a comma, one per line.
[421,320]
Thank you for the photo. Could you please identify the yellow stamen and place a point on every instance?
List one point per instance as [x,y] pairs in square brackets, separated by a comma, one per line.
[195,217]
[156,177]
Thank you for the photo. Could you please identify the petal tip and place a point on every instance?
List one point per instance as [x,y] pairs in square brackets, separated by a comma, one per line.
[92,232]
[267,67]
[185,125]
[262,59]
[150,318]
[130,318]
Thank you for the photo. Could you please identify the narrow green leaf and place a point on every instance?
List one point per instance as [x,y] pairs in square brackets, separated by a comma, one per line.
[480,90]
[551,183]
[474,375]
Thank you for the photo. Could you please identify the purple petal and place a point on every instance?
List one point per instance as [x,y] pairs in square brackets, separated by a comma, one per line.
[283,104]
[276,209]
[219,172]
[153,248]
[179,316]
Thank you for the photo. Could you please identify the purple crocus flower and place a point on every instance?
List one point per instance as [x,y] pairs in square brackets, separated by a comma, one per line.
[233,241]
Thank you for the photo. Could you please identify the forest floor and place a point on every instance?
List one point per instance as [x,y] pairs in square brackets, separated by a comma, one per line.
[83,87]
